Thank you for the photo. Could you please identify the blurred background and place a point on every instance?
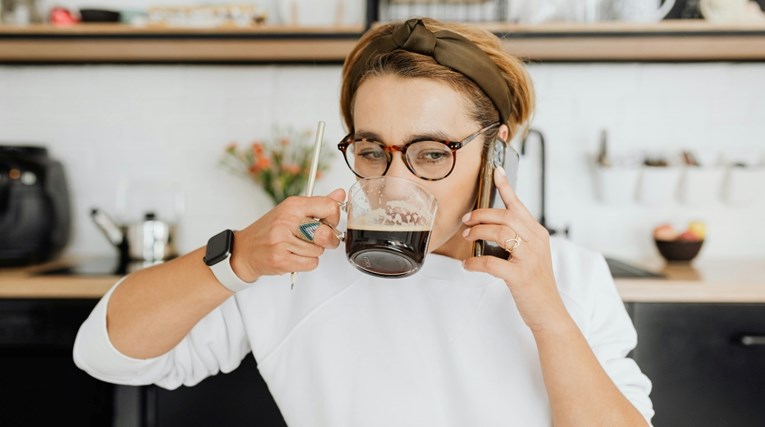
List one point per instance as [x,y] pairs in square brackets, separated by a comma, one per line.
[648,145]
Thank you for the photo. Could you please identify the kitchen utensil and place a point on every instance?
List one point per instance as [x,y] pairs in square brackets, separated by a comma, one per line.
[34,205]
[602,158]
[99,15]
[312,176]
[679,250]
[148,240]
[20,12]
[389,225]
[62,16]
[723,10]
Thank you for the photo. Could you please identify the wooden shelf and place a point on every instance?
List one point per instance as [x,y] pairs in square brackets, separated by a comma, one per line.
[110,43]
[114,43]
[681,40]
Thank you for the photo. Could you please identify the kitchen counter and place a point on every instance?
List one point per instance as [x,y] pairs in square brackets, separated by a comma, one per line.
[704,281]
[26,283]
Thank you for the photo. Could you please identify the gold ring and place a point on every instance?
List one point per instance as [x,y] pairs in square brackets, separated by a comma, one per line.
[516,242]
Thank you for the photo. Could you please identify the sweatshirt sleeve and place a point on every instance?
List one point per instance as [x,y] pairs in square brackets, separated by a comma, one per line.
[217,343]
[612,336]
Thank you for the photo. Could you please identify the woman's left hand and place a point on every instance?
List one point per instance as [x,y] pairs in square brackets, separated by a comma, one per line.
[528,272]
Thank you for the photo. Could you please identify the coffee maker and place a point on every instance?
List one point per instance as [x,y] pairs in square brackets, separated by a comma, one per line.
[34,206]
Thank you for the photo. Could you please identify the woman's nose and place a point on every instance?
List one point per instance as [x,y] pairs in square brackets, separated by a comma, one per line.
[398,169]
[398,189]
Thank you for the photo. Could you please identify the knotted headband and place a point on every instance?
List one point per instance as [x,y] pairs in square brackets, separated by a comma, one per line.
[446,48]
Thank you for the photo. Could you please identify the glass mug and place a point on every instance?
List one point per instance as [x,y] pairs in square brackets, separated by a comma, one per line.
[389,225]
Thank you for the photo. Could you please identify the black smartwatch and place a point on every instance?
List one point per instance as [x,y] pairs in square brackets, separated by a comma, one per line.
[218,258]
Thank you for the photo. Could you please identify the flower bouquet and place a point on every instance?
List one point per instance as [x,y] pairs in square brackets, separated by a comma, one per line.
[281,166]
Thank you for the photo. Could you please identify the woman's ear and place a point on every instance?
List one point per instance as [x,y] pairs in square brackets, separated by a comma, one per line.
[504,132]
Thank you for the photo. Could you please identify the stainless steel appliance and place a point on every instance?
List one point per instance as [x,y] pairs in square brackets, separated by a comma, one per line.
[150,239]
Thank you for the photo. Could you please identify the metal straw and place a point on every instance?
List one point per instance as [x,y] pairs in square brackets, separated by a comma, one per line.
[312,177]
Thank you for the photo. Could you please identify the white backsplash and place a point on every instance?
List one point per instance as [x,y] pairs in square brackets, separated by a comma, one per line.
[109,124]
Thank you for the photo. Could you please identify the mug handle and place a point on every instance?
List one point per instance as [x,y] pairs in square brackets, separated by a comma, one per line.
[338,233]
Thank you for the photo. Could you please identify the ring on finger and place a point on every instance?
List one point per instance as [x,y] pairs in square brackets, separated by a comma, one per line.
[516,241]
[307,228]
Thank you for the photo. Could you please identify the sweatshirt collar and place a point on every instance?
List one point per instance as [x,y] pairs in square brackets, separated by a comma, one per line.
[446,268]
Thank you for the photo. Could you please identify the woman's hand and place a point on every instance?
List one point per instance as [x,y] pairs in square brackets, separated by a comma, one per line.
[528,273]
[271,246]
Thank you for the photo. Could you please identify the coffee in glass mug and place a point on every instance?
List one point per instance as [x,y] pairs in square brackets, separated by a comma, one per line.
[389,225]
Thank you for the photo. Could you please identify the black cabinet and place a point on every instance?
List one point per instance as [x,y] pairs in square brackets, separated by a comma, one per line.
[239,398]
[39,383]
[41,386]
[706,362]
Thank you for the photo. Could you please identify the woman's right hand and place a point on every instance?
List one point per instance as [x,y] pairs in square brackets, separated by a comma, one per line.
[270,246]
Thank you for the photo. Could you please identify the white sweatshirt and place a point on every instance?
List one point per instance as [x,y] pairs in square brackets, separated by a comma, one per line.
[444,347]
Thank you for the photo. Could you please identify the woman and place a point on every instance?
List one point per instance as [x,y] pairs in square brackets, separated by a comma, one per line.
[539,338]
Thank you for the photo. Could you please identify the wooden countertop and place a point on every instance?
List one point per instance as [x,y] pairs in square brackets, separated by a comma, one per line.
[26,283]
[705,281]
[680,40]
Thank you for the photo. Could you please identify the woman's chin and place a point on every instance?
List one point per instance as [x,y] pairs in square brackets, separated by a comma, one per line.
[455,247]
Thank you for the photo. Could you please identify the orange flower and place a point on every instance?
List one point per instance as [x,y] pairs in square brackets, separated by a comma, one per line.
[257,148]
[263,162]
[292,169]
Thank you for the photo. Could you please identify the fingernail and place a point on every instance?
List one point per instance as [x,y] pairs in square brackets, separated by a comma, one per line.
[466,232]
[501,171]
[466,218]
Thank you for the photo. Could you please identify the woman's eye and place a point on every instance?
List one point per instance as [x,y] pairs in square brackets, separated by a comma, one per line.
[371,154]
[433,155]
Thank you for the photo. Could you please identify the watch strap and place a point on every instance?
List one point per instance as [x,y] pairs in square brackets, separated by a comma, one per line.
[227,277]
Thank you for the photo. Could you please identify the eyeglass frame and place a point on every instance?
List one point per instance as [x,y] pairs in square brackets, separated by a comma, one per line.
[390,149]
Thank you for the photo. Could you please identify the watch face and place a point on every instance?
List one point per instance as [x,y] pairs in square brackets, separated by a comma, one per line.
[219,247]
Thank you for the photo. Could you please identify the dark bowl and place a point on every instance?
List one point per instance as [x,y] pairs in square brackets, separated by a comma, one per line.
[679,250]
[99,15]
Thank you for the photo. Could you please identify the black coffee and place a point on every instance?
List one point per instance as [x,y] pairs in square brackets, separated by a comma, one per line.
[387,252]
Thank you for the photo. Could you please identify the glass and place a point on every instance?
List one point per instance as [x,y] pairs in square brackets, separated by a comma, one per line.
[427,159]
[389,225]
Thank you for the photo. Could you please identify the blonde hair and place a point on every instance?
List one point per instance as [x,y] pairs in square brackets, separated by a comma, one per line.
[408,64]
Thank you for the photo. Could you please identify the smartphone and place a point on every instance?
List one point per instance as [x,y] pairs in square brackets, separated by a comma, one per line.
[499,155]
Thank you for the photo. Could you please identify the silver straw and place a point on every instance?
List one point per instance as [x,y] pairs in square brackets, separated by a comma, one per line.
[312,177]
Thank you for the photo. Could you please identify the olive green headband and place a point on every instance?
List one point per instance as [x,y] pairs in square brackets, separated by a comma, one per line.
[446,48]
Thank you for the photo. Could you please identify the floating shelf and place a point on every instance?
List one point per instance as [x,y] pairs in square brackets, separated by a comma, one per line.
[112,43]
[679,40]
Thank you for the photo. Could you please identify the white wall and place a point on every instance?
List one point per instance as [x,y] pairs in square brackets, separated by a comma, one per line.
[170,123]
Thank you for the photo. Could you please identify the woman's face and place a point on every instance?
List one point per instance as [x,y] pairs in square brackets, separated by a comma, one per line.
[396,110]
